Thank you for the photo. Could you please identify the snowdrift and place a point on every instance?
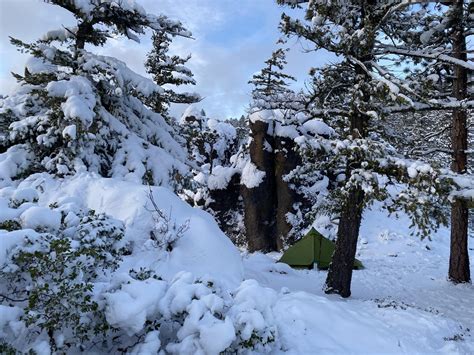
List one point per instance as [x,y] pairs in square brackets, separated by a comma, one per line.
[203,248]
[206,298]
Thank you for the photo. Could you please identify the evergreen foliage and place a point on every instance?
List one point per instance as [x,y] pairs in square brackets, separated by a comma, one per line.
[168,70]
[77,110]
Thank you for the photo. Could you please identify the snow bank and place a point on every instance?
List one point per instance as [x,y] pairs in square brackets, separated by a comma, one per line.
[203,248]
[314,324]
[38,217]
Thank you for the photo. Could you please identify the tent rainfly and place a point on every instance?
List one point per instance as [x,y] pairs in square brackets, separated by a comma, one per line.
[312,249]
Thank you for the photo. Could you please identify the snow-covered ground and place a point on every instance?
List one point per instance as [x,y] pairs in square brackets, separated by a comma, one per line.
[401,301]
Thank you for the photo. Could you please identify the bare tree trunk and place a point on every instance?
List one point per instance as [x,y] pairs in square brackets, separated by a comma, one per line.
[286,159]
[260,201]
[340,270]
[459,255]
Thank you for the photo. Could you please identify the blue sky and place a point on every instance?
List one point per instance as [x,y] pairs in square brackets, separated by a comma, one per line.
[232,40]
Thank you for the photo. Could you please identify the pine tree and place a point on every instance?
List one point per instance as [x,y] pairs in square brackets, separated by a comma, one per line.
[271,201]
[271,84]
[459,255]
[169,70]
[77,110]
[439,48]
[353,95]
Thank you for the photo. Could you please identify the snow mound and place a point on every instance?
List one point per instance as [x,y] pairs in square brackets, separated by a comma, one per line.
[38,217]
[202,249]
[24,195]
[314,324]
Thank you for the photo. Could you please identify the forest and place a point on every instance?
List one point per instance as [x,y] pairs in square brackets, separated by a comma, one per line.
[333,216]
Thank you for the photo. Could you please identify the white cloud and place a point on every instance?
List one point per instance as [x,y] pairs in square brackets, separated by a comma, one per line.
[231,42]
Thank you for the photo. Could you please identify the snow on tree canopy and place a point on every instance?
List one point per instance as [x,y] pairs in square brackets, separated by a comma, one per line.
[76,110]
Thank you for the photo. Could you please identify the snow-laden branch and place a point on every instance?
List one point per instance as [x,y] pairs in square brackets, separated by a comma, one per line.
[431,106]
[386,49]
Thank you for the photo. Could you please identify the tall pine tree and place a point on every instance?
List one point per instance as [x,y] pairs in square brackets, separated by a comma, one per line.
[354,95]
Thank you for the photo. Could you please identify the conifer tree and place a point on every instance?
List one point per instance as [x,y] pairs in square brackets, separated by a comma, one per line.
[436,47]
[77,110]
[353,95]
[271,84]
[169,70]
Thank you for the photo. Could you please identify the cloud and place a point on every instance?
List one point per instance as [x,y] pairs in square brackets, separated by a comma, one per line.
[231,42]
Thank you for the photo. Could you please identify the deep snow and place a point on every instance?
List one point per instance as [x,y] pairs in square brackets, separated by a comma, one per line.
[401,301]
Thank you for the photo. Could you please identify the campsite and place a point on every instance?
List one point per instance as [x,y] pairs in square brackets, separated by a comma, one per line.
[207,177]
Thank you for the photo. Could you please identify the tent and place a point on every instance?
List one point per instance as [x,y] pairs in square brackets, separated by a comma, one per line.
[312,249]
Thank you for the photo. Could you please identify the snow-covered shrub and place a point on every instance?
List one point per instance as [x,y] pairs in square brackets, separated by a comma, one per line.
[166,232]
[192,316]
[51,276]
[214,148]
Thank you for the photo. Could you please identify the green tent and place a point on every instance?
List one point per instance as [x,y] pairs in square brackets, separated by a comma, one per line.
[312,248]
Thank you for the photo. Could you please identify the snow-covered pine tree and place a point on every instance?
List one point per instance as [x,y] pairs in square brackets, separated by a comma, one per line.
[214,149]
[353,95]
[271,84]
[76,110]
[169,70]
[437,47]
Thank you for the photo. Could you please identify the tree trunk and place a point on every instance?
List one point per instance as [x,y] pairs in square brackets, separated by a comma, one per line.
[260,201]
[459,255]
[286,159]
[340,270]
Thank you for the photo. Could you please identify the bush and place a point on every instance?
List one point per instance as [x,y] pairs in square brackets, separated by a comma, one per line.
[52,276]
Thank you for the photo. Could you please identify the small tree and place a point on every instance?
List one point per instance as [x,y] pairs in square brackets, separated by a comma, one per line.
[168,70]
[271,84]
[214,149]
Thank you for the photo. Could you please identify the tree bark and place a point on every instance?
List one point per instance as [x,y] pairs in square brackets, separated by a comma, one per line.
[340,270]
[459,255]
[260,201]
[224,203]
[286,159]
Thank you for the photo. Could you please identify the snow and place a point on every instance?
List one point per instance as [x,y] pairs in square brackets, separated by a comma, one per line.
[191,111]
[203,248]
[224,301]
[80,99]
[37,65]
[220,177]
[8,315]
[24,195]
[61,34]
[262,115]
[140,298]
[251,175]
[12,163]
[318,127]
[401,302]
[70,132]
[38,217]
